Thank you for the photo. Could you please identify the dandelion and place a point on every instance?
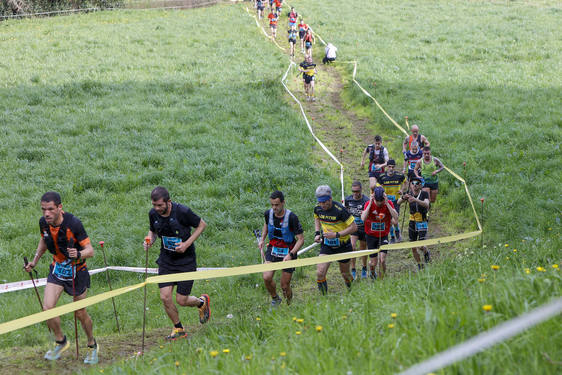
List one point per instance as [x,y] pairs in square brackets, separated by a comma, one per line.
[514,250]
[282,354]
[213,353]
[541,269]
[527,271]
[391,325]
[258,318]
[393,315]
[344,317]
[294,318]
[248,357]
[161,346]
[506,245]
[300,320]
[495,267]
[487,308]
[298,333]
[177,363]
[318,328]
[555,266]
[481,280]
[226,351]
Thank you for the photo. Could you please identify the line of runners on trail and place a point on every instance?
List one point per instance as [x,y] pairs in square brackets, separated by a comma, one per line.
[359,223]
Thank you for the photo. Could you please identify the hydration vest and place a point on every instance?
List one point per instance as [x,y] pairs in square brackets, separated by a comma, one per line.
[287,236]
[380,156]
[62,241]
[418,139]
[171,227]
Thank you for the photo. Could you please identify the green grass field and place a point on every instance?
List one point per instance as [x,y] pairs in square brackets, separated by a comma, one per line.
[103,107]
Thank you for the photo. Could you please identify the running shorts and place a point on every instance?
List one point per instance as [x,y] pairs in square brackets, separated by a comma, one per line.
[183,287]
[373,243]
[414,234]
[272,258]
[307,78]
[343,248]
[81,281]
[433,186]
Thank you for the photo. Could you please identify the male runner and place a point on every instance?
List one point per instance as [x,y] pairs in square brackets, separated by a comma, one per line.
[292,40]
[378,156]
[427,168]
[293,16]
[273,24]
[285,240]
[260,7]
[308,42]
[419,205]
[308,69]
[411,157]
[354,204]
[415,136]
[303,27]
[337,224]
[172,222]
[64,236]
[393,182]
[379,214]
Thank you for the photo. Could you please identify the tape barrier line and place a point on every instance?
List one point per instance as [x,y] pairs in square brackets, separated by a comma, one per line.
[26,284]
[264,32]
[487,339]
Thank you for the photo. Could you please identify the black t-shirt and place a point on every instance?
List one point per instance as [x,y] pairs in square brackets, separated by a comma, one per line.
[174,229]
[415,207]
[294,226]
[355,207]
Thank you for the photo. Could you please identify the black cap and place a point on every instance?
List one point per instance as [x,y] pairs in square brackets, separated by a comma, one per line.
[390,162]
[379,193]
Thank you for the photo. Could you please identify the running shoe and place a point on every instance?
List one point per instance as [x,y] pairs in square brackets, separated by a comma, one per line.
[177,333]
[364,273]
[205,309]
[398,237]
[55,353]
[427,256]
[92,356]
[393,239]
[354,274]
[275,302]
[373,275]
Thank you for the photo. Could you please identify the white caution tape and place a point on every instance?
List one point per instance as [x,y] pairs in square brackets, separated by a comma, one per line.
[487,339]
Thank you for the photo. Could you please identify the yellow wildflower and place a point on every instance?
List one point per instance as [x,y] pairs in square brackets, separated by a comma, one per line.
[282,354]
[248,357]
[495,267]
[487,308]
[555,266]
[177,363]
[226,351]
[481,280]
[527,271]
[506,245]
[391,325]
[318,328]
[258,318]
[213,353]
[393,315]
[300,320]
[298,332]
[514,250]
[541,269]
[294,318]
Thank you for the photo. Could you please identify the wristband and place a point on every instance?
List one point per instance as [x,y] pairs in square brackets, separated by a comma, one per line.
[317,233]
[337,234]
[78,254]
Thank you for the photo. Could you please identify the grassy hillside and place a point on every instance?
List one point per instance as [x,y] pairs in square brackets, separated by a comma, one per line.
[129,100]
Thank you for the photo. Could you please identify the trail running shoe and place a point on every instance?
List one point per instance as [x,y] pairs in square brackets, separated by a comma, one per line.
[398,237]
[275,302]
[354,274]
[177,333]
[56,352]
[427,256]
[364,273]
[392,239]
[373,275]
[92,356]
[205,310]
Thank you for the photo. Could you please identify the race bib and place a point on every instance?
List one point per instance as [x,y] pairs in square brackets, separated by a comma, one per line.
[332,242]
[279,251]
[391,197]
[358,220]
[170,243]
[421,226]
[377,226]
[413,165]
[63,271]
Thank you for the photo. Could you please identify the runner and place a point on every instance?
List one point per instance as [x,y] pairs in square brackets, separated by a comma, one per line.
[292,40]
[393,184]
[308,69]
[378,157]
[260,7]
[411,157]
[354,204]
[286,237]
[308,42]
[330,54]
[293,16]
[415,136]
[65,237]
[417,229]
[278,6]
[336,224]
[427,168]
[379,214]
[271,6]
[273,24]
[303,27]
[172,222]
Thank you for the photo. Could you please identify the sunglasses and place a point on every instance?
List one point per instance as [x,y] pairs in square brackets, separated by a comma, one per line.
[356,191]
[416,183]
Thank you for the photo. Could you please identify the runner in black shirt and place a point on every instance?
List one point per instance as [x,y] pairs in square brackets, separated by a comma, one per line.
[354,204]
[285,239]
[172,222]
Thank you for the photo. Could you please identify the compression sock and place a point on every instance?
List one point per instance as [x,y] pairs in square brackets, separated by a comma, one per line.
[178,325]
[392,231]
[322,286]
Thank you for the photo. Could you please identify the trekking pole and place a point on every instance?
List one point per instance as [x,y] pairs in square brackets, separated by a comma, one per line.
[482,235]
[381,217]
[71,245]
[464,169]
[257,233]
[26,262]
[147,241]
[109,283]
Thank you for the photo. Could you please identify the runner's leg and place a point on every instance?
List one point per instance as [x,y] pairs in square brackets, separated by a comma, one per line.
[269,282]
[85,319]
[50,299]
[169,305]
[286,286]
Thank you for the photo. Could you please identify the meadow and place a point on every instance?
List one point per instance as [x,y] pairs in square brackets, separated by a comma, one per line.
[102,107]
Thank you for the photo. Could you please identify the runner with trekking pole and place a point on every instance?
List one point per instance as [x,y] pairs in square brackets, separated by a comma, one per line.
[109,283]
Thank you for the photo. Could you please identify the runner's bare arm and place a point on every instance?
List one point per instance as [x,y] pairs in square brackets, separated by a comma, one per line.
[405,144]
[367,209]
[183,246]
[438,164]
[417,168]
[299,243]
[152,237]
[264,233]
[86,252]
[41,248]
[317,228]
[392,211]
[424,141]
[365,153]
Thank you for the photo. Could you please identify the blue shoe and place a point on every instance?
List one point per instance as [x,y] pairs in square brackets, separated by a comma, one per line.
[55,353]
[92,356]
[354,273]
[275,302]
[364,273]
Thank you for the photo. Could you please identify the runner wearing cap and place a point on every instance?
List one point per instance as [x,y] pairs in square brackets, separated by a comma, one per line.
[172,222]
[393,184]
[64,236]
[419,205]
[334,225]
[428,168]
[379,214]
[286,237]
[378,156]
[354,204]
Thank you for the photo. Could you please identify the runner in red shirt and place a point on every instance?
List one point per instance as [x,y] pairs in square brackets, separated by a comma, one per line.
[302,32]
[379,214]
[273,24]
